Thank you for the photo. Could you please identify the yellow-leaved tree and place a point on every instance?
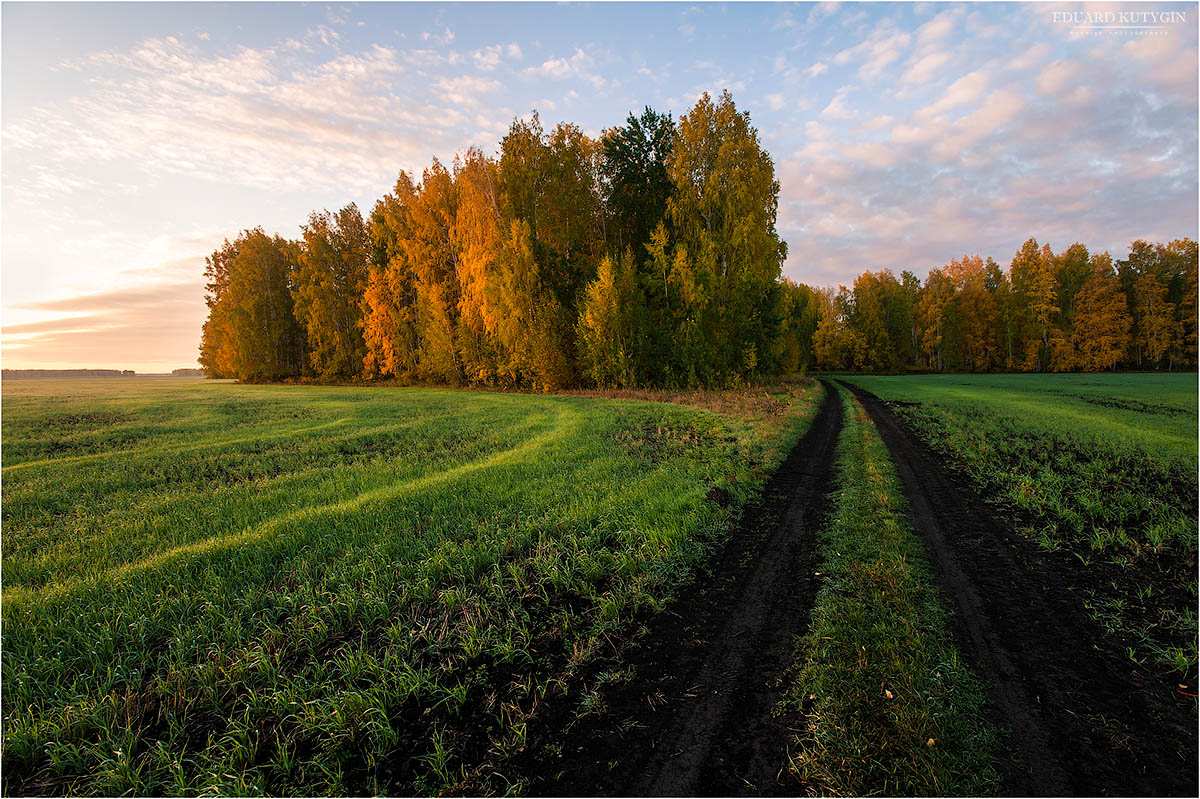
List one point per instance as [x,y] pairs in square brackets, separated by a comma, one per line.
[1100,333]
[722,215]
[977,313]
[477,237]
[608,323]
[217,342]
[328,284]
[931,314]
[431,254]
[1156,317]
[388,304]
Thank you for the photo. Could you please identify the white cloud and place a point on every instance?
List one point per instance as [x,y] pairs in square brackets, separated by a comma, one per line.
[878,123]
[872,153]
[964,91]
[465,90]
[925,68]
[253,117]
[1055,77]
[837,108]
[324,34]
[852,20]
[1029,57]
[911,134]
[578,65]
[975,160]
[490,57]
[444,38]
[430,59]
[881,48]
[937,30]
[1167,65]
[816,69]
[1000,108]
[553,68]
[822,10]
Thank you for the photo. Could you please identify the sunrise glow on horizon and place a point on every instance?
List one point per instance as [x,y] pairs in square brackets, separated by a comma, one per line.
[137,137]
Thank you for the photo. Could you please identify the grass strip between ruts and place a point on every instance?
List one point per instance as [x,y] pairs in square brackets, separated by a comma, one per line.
[882,703]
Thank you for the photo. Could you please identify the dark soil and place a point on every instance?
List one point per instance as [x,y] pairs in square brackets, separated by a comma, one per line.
[694,714]
[1136,406]
[1083,720]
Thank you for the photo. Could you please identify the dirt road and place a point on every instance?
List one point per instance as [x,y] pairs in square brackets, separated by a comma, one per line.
[695,719]
[1083,720]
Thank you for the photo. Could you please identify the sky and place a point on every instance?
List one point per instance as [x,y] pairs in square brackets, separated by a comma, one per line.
[137,137]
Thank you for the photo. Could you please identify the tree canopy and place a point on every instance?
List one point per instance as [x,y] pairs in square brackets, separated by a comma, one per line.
[650,257]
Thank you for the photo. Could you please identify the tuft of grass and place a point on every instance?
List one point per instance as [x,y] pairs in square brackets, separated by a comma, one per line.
[1098,470]
[884,704]
[233,589]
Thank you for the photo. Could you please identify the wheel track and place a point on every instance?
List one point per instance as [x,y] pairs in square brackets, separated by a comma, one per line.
[1083,720]
[696,718]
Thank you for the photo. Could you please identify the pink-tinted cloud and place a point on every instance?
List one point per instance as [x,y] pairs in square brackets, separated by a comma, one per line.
[1095,143]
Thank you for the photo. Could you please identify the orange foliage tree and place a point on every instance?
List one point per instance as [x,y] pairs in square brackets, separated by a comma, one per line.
[651,257]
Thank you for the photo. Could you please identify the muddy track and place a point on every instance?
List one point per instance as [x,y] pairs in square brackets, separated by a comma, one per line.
[1082,719]
[695,716]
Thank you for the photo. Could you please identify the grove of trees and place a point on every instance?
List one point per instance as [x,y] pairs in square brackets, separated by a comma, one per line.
[650,257]
[1070,311]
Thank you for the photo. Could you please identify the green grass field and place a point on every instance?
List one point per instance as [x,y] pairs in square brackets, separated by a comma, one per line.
[211,587]
[235,589]
[1101,468]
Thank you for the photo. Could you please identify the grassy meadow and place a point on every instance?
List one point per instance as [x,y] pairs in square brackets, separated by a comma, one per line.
[1098,468]
[238,589]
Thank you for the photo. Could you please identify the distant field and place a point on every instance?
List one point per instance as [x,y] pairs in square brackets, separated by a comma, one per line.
[1135,412]
[244,589]
[1099,468]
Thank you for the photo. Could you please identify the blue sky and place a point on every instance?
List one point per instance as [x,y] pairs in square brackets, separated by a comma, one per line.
[136,137]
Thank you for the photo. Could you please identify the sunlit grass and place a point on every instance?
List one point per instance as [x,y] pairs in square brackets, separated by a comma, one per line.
[237,589]
[1098,468]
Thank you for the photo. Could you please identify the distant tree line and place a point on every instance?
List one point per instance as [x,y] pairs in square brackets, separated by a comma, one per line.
[1071,311]
[37,374]
[648,257]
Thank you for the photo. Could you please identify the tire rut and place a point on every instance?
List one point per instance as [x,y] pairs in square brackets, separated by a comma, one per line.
[1082,719]
[696,717]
